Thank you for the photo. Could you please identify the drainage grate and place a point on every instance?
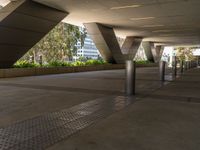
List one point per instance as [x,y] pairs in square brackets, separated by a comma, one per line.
[43,131]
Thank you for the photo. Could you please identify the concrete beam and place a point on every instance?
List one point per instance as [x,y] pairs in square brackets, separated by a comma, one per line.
[131,46]
[147,50]
[24,24]
[106,42]
[153,53]
[158,52]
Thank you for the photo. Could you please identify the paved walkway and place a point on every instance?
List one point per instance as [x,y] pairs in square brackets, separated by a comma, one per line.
[161,116]
[168,118]
[26,97]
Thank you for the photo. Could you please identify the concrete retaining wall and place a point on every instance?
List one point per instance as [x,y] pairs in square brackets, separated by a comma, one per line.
[22,72]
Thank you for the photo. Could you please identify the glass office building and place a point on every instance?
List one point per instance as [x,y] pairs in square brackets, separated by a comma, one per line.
[89,50]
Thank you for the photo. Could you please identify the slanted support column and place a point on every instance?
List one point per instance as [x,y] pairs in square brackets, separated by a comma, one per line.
[159,51]
[130,77]
[24,24]
[153,53]
[131,46]
[148,52]
[129,49]
[106,42]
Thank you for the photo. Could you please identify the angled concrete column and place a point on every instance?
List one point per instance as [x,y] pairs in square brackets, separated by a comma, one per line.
[153,53]
[106,42]
[159,52]
[129,49]
[148,52]
[22,24]
[131,46]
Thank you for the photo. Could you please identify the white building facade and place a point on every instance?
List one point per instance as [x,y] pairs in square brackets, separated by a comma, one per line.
[88,51]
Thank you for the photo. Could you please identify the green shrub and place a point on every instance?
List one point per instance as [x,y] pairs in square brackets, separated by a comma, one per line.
[58,64]
[143,62]
[94,62]
[78,63]
[25,64]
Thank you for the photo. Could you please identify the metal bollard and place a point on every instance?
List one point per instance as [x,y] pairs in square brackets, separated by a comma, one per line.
[130,77]
[162,70]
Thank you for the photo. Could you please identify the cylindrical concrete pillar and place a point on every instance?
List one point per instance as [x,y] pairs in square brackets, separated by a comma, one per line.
[130,77]
[197,61]
[175,65]
[186,66]
[162,70]
[182,66]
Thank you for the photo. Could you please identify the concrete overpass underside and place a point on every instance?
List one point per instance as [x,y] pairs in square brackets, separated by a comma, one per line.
[44,112]
[161,22]
[167,22]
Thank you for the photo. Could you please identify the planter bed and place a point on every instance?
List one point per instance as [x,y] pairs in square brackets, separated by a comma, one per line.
[22,72]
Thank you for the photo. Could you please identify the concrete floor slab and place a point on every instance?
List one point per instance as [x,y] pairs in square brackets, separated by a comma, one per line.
[165,117]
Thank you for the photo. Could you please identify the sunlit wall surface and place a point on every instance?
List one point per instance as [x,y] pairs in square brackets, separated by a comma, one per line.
[196,52]
[4,3]
[167,55]
[140,55]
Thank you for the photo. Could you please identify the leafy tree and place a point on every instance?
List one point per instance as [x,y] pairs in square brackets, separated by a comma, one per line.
[184,53]
[58,44]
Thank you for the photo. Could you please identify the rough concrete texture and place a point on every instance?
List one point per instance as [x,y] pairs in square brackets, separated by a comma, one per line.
[164,119]
[166,116]
[26,97]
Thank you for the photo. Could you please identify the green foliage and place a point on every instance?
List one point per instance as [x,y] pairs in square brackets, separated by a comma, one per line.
[142,62]
[25,64]
[94,62]
[58,64]
[58,44]
[78,63]
[184,53]
[83,59]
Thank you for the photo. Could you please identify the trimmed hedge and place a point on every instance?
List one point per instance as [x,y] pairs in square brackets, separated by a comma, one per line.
[26,64]
[91,62]
[143,62]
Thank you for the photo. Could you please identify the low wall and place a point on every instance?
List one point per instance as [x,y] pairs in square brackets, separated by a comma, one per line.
[22,72]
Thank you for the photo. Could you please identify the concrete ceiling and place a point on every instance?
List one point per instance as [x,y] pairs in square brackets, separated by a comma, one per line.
[170,22]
